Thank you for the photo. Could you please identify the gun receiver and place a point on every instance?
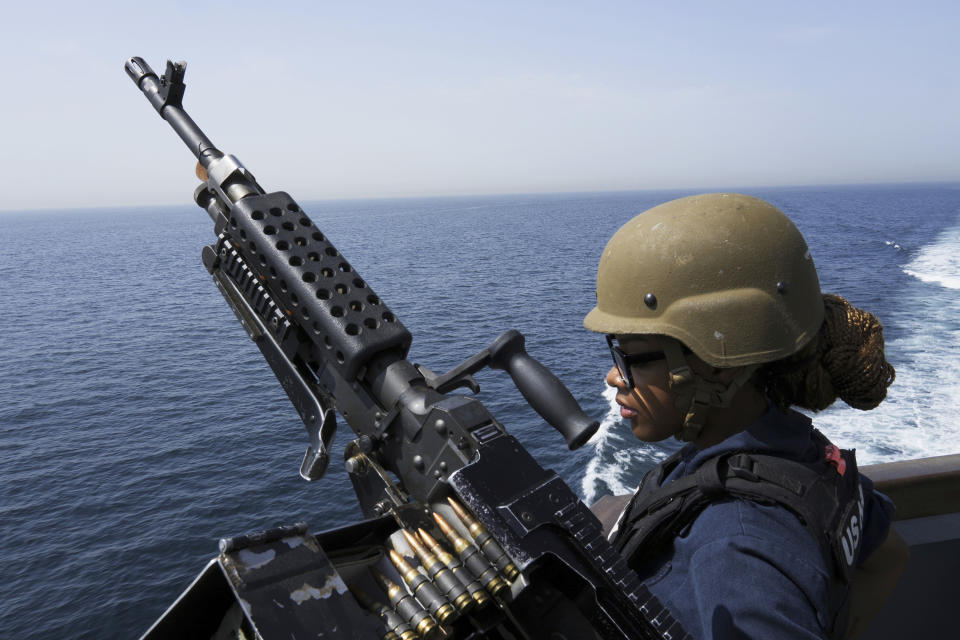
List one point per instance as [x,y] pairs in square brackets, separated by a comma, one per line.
[334,344]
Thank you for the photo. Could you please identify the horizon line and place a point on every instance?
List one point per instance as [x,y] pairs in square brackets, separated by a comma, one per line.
[701,189]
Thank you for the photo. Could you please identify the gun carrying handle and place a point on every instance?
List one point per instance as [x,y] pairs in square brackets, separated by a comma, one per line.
[543,390]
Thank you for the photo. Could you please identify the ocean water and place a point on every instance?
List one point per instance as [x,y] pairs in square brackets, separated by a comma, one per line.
[138,423]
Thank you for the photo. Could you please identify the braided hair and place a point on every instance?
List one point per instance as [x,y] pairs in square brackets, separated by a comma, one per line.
[844,360]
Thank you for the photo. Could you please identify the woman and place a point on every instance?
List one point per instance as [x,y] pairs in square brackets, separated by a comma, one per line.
[713,313]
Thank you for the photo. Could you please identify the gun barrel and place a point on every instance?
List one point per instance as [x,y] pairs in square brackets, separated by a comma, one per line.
[165,93]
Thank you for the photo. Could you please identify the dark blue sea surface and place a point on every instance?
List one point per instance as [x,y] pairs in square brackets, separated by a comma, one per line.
[139,424]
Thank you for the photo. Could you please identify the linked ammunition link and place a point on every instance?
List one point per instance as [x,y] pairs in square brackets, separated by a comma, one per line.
[449,584]
[395,623]
[409,609]
[490,548]
[473,560]
[476,590]
[424,590]
[397,627]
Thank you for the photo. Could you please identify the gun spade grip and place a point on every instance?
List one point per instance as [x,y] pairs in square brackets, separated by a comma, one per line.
[543,390]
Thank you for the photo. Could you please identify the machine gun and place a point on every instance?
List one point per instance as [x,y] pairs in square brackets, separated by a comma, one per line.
[526,558]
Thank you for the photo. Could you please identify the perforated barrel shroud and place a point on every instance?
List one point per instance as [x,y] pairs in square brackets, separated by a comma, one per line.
[311,281]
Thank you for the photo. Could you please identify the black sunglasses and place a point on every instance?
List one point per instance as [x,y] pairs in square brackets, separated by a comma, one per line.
[624,360]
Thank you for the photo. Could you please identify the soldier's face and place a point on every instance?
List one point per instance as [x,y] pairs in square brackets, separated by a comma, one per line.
[649,406]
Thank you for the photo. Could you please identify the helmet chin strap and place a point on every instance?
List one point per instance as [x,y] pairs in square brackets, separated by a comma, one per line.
[695,394]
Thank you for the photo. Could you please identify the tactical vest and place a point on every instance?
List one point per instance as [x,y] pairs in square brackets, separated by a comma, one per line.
[825,496]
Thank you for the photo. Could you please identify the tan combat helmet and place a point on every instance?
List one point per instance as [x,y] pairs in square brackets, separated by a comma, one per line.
[727,275]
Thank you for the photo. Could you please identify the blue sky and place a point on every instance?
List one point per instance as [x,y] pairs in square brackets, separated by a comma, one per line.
[440,98]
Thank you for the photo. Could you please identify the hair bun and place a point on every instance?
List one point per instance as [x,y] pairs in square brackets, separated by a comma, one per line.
[853,354]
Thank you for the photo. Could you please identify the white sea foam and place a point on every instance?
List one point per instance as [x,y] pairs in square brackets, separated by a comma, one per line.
[599,470]
[918,418]
[939,263]
[616,455]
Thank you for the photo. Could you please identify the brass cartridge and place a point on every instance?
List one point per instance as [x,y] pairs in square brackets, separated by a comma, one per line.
[490,548]
[473,560]
[424,590]
[395,622]
[453,563]
[448,583]
[408,608]
[397,627]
